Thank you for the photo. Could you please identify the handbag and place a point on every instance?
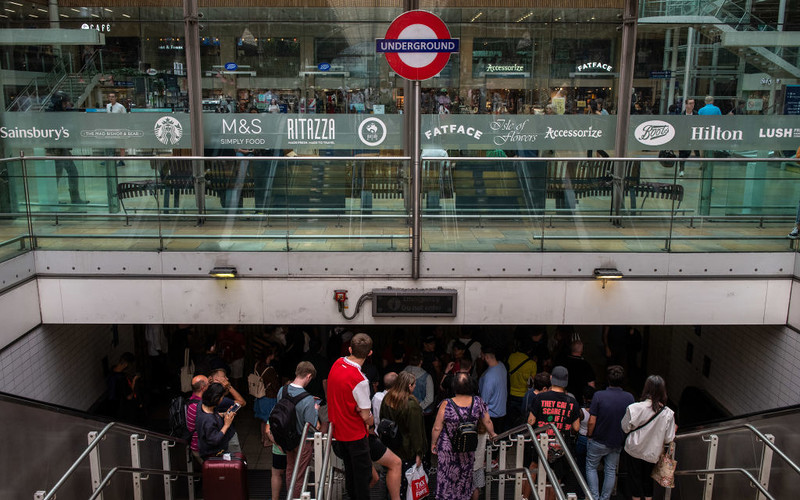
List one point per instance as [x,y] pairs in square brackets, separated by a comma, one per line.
[667,153]
[664,470]
[417,483]
[187,372]
[387,433]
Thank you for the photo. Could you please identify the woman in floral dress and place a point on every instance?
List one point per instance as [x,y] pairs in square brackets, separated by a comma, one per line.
[454,471]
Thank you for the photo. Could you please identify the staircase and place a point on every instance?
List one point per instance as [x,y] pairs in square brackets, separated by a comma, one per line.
[717,18]
[39,93]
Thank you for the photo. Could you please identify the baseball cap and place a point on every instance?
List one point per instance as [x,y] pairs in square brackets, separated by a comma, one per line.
[559,376]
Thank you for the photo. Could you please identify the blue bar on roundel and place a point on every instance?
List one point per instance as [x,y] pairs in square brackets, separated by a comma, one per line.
[415,45]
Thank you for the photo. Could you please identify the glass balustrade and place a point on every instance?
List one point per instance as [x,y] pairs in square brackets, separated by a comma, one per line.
[711,202]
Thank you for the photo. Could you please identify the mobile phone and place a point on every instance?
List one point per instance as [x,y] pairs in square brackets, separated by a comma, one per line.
[235,407]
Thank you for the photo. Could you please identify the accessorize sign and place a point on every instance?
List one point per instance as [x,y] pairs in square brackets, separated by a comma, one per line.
[97,130]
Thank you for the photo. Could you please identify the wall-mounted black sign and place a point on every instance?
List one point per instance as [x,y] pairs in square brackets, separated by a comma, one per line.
[414,302]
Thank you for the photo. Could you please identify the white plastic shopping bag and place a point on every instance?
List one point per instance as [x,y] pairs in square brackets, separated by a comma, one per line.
[417,483]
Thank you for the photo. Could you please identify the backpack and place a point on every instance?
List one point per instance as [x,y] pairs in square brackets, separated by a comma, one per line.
[388,434]
[177,418]
[466,435]
[283,420]
[255,383]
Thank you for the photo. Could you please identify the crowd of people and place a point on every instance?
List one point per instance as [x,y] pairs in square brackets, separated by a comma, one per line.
[404,405]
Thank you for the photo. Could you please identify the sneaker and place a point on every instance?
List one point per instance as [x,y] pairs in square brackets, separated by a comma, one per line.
[794,234]
[120,163]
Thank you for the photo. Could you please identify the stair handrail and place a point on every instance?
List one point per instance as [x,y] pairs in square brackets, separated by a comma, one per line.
[297,460]
[751,428]
[323,490]
[96,441]
[522,428]
[728,470]
[137,470]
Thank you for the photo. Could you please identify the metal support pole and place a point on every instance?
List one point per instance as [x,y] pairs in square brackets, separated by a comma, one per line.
[165,446]
[766,466]
[191,27]
[628,51]
[416,172]
[711,463]
[190,469]
[94,464]
[136,463]
[519,463]
[501,465]
[541,477]
[689,64]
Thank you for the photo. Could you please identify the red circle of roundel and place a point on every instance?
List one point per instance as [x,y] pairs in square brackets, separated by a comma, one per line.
[402,22]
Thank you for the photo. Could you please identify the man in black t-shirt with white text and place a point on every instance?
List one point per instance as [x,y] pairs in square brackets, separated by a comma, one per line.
[557,407]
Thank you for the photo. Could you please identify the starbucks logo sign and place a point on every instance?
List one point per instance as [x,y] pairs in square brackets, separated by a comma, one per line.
[168,130]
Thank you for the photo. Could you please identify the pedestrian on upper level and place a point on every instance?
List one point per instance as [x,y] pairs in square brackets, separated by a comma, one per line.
[710,108]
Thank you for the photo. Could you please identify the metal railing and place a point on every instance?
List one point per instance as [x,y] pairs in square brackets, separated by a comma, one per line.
[707,473]
[322,466]
[98,484]
[518,435]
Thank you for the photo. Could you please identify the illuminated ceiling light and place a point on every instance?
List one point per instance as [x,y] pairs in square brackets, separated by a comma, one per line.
[42,10]
[33,15]
[3,15]
[74,10]
[607,273]
[63,15]
[476,16]
[107,9]
[9,10]
[95,15]
[15,3]
[126,15]
[223,272]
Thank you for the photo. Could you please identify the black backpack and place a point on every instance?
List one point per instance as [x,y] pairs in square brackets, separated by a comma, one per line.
[283,420]
[177,417]
[466,435]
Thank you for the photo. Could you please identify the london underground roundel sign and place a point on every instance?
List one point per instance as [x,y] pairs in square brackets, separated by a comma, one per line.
[417,45]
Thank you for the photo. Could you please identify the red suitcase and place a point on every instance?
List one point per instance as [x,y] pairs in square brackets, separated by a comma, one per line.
[225,479]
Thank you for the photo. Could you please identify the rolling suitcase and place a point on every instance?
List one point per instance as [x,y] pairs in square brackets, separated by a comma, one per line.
[225,479]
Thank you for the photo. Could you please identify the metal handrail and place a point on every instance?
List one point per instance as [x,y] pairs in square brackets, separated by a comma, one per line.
[137,470]
[519,470]
[96,441]
[751,428]
[323,487]
[297,460]
[543,457]
[728,470]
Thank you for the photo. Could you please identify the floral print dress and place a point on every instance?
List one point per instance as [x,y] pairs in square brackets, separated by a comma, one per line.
[454,472]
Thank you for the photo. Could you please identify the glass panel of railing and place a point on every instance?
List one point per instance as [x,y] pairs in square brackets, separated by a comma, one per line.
[736,204]
[481,204]
[81,202]
[271,203]
[14,237]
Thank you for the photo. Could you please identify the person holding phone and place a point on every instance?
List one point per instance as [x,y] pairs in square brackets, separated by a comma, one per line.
[214,429]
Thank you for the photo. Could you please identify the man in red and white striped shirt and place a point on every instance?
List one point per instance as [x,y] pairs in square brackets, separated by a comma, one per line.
[199,386]
[349,412]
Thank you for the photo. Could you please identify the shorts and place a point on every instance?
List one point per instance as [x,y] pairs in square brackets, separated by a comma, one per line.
[278,461]
[376,448]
